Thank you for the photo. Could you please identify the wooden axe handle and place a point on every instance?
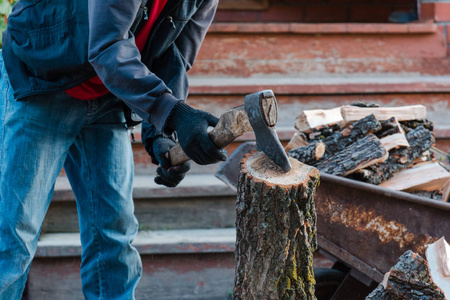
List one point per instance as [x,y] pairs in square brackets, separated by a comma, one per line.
[232,124]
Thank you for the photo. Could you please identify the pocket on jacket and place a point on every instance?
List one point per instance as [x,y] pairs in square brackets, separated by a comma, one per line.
[53,50]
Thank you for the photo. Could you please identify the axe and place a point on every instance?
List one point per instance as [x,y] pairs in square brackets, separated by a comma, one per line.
[258,114]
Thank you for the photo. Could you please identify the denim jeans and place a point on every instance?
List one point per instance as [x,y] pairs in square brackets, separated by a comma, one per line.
[40,135]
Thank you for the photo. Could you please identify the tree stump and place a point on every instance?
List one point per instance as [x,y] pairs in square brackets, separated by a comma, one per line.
[276,230]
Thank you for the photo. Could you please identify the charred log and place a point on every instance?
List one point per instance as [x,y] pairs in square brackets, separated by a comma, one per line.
[362,153]
[389,127]
[413,124]
[419,139]
[275,230]
[308,154]
[340,140]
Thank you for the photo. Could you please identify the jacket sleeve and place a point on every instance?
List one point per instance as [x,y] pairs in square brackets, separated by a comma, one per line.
[193,34]
[187,45]
[117,61]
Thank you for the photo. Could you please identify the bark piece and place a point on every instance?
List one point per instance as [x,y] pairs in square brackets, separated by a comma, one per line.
[413,124]
[434,195]
[310,119]
[275,230]
[359,155]
[408,279]
[323,132]
[419,139]
[340,140]
[402,113]
[438,258]
[308,154]
[425,176]
[389,127]
[297,140]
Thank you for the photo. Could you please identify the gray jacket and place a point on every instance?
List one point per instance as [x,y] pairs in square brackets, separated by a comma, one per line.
[55,45]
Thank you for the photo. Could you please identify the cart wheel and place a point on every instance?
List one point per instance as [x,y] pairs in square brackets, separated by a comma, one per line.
[327,282]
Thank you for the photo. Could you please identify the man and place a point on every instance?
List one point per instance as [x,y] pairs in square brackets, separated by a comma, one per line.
[67,67]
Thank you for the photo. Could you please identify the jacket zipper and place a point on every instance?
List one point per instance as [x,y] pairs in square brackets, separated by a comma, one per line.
[171,22]
[145,13]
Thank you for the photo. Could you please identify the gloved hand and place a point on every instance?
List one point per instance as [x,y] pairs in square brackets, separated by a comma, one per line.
[191,127]
[168,175]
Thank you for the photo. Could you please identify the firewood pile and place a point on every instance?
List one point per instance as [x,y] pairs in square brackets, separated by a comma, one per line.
[415,277]
[392,147]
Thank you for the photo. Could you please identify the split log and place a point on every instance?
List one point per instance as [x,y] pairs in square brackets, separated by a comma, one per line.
[340,140]
[419,139]
[308,154]
[310,119]
[323,132]
[359,155]
[438,258]
[389,127]
[413,124]
[297,140]
[446,192]
[408,279]
[275,230]
[394,141]
[423,177]
[402,113]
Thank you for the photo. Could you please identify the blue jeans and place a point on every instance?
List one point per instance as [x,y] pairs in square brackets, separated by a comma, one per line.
[39,136]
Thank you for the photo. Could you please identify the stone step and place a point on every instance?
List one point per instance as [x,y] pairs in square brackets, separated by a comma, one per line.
[200,201]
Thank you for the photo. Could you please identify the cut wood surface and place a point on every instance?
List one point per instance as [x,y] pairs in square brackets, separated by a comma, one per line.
[318,117]
[425,176]
[394,141]
[438,258]
[361,154]
[275,230]
[402,113]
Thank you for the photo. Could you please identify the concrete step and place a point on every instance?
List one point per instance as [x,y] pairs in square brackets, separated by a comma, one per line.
[200,201]
[177,264]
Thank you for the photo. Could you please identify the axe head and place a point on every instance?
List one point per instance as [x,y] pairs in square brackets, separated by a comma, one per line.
[262,112]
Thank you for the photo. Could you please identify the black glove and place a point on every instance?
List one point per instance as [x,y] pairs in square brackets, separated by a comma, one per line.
[191,126]
[168,175]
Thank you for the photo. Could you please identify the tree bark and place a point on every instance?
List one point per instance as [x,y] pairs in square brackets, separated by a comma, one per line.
[362,153]
[276,230]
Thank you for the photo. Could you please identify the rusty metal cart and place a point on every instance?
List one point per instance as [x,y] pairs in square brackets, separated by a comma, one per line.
[366,228]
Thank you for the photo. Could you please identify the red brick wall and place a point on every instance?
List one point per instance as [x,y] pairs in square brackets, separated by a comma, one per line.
[437,11]
[320,11]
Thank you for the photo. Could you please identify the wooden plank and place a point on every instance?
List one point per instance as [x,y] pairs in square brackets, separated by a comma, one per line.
[402,113]
[426,176]
[318,117]
[394,141]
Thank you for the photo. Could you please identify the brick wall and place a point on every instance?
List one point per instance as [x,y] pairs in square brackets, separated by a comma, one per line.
[437,11]
[317,11]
